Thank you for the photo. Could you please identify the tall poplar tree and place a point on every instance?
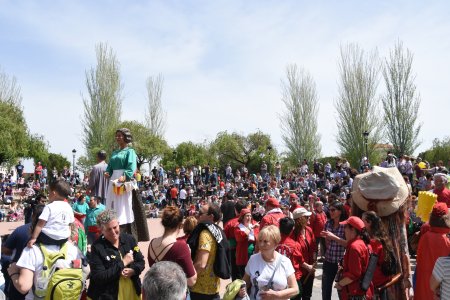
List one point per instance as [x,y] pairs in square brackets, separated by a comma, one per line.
[299,118]
[102,107]
[357,105]
[401,102]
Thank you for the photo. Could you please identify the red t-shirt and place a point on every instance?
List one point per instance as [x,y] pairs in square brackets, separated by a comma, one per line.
[291,249]
[271,219]
[174,193]
[179,253]
[229,232]
[443,196]
[356,259]
[38,170]
[317,222]
[307,244]
[378,277]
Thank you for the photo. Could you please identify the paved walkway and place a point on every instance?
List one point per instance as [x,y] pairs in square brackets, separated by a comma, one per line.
[156,229]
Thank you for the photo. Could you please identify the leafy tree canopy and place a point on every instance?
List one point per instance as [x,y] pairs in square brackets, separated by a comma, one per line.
[238,150]
[148,146]
[13,132]
[439,151]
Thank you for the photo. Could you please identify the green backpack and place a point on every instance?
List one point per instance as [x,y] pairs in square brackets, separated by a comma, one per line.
[58,283]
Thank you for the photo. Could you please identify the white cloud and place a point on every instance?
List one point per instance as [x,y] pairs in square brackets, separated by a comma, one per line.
[222,61]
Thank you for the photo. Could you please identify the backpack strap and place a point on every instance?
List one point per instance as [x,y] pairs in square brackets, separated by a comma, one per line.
[51,258]
[270,283]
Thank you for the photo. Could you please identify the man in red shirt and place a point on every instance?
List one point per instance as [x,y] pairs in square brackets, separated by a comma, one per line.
[290,248]
[173,195]
[229,233]
[443,194]
[273,213]
[317,222]
[293,201]
[38,171]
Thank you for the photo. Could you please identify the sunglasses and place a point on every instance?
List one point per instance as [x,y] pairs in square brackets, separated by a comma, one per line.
[332,209]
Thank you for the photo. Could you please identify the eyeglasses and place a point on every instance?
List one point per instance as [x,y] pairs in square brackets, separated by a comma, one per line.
[332,209]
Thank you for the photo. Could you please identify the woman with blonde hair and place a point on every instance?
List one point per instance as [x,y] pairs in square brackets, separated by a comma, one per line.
[269,273]
[188,226]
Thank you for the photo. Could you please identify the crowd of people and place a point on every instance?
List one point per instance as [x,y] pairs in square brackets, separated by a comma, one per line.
[268,232]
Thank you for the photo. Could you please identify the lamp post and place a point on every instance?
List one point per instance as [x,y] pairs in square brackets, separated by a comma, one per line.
[74,178]
[366,138]
[269,149]
[174,160]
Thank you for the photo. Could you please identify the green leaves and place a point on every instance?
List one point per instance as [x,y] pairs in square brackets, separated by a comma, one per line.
[147,145]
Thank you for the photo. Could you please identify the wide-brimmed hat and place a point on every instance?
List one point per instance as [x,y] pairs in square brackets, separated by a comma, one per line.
[383,190]
[300,212]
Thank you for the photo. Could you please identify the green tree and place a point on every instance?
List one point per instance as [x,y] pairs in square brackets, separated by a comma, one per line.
[238,150]
[357,105]
[13,133]
[148,146]
[38,149]
[84,164]
[401,103]
[9,90]
[299,118]
[440,150]
[188,154]
[102,109]
[57,161]
[16,141]
[155,117]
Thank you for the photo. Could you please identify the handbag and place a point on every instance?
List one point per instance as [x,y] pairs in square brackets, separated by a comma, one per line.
[370,270]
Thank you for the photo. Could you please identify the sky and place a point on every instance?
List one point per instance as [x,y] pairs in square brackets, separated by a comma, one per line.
[223,62]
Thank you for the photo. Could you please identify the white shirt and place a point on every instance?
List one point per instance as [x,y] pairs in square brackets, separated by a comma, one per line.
[261,271]
[58,215]
[32,259]
[183,194]
[441,273]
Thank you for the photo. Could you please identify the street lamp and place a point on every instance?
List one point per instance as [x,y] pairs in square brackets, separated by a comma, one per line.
[366,138]
[269,149]
[74,178]
[174,159]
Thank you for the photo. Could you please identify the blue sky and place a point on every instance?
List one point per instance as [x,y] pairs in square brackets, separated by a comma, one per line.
[222,61]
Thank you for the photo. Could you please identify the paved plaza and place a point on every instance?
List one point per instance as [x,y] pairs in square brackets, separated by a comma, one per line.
[156,229]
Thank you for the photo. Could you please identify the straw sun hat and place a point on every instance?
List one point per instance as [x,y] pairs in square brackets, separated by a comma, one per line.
[383,190]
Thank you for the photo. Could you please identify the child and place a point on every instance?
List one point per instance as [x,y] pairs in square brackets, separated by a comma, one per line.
[53,227]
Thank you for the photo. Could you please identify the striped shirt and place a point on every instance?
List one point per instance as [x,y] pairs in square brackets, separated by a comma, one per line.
[441,273]
[335,252]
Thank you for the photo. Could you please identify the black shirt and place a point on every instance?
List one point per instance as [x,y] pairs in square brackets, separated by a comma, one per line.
[227,209]
[106,265]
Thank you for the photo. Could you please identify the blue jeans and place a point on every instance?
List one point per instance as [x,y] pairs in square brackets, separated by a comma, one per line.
[329,273]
